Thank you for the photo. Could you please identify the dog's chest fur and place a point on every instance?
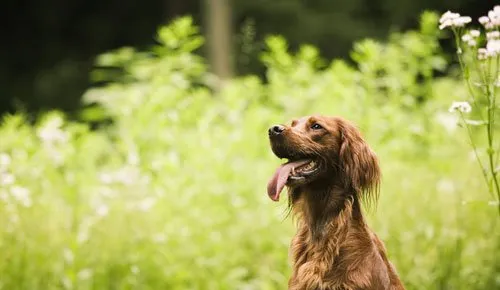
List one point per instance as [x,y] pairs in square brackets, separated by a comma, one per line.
[337,257]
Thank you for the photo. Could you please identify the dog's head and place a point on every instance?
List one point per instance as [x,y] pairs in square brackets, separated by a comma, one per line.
[323,150]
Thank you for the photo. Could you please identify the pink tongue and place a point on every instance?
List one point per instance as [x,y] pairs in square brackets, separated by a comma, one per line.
[278,181]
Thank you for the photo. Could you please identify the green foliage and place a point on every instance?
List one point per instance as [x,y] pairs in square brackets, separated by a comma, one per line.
[172,194]
[481,70]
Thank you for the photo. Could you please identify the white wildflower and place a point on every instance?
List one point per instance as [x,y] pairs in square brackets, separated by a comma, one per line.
[135,270]
[492,35]
[493,18]
[471,43]
[7,179]
[463,107]
[475,33]
[102,210]
[84,229]
[461,21]
[450,19]
[416,129]
[484,20]
[55,154]
[445,186]
[106,191]
[14,219]
[482,54]
[82,237]
[447,19]
[146,204]
[106,178]
[84,274]
[159,238]
[491,14]
[125,175]
[493,47]
[466,37]
[448,15]
[51,131]
[455,22]
[4,160]
[22,195]
[68,256]
[445,24]
[67,283]
[469,39]
[133,158]
[50,135]
[448,121]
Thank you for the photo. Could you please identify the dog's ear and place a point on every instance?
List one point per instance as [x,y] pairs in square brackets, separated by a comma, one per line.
[359,164]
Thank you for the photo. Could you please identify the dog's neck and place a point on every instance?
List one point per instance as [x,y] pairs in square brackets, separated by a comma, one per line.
[324,209]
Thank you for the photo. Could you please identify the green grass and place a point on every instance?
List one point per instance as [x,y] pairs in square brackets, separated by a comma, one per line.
[172,195]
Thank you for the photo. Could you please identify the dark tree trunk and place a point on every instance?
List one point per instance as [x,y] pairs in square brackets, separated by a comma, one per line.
[218,23]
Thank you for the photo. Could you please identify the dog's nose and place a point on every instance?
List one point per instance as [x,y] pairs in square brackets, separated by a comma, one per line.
[276,130]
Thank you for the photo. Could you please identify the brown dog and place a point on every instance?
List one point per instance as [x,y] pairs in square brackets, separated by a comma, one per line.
[330,169]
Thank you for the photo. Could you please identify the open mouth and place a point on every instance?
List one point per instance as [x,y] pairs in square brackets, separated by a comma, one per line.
[291,173]
[303,170]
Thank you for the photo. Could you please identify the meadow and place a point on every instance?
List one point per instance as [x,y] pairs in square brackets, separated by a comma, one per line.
[171,193]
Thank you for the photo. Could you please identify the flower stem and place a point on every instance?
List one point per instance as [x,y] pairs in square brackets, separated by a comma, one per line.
[466,73]
[474,149]
[490,126]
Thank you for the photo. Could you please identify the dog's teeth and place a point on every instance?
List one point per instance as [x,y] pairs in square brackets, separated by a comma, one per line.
[293,170]
[312,163]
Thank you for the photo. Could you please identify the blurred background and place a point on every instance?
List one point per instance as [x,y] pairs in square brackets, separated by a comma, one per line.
[48,49]
[134,152]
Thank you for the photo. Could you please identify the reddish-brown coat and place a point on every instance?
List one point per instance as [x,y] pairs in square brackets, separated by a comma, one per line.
[334,247]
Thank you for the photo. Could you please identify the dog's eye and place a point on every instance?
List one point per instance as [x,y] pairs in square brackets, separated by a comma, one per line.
[316,126]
